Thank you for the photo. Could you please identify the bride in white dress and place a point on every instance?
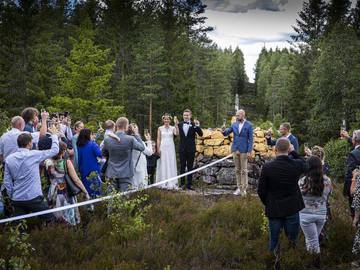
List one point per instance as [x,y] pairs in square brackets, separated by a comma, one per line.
[166,164]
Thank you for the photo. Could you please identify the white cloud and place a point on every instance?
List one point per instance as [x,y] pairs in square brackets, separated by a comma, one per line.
[252,30]
[245,5]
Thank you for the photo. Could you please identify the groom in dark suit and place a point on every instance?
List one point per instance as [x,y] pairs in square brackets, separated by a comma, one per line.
[187,149]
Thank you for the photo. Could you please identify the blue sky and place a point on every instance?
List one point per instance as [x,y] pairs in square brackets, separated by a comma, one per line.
[251,25]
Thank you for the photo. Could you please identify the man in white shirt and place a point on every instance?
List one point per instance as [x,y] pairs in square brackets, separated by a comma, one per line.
[65,127]
[22,177]
[8,141]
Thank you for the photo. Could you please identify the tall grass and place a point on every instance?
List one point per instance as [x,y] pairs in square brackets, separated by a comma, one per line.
[183,232]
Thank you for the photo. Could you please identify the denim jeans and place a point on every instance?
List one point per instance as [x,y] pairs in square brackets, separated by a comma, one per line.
[291,225]
[311,225]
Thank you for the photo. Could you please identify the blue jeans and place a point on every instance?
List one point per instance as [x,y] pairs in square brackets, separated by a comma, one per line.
[291,225]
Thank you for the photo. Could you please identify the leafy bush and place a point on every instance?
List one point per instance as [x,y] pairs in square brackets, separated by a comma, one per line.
[336,152]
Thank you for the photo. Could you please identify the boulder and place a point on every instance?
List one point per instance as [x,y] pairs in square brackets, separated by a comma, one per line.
[260,148]
[208,179]
[217,135]
[227,163]
[199,148]
[210,171]
[259,134]
[259,140]
[226,176]
[199,142]
[213,142]
[206,134]
[208,151]
[227,142]
[222,151]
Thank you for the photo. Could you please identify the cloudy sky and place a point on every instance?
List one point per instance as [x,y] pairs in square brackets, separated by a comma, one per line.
[252,24]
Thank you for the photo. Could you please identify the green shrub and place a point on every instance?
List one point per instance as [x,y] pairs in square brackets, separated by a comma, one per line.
[185,232]
[336,152]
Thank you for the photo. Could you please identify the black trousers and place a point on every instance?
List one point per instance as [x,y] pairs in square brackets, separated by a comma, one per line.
[35,205]
[186,162]
[151,174]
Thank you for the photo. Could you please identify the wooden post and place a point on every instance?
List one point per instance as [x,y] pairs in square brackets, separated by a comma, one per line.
[150,117]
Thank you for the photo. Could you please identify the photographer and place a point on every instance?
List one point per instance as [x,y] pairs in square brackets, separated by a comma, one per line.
[140,178]
[65,128]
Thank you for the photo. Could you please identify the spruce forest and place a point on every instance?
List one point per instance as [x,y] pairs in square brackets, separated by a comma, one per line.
[101,59]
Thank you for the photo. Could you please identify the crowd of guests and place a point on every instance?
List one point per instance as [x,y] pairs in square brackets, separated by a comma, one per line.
[295,190]
[73,160]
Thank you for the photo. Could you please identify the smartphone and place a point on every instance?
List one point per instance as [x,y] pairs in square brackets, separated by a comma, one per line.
[343,125]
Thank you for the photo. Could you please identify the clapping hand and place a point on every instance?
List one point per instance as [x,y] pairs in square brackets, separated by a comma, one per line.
[44,115]
[176,121]
[136,129]
[307,151]
[344,134]
[53,130]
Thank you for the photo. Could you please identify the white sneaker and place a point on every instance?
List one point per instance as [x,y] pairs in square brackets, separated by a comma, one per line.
[237,192]
[243,193]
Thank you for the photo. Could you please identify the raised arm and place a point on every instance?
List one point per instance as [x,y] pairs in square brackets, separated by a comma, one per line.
[138,143]
[227,131]
[42,155]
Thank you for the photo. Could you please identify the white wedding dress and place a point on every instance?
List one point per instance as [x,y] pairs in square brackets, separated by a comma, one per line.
[166,164]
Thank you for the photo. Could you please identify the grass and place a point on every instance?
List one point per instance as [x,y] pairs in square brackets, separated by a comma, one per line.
[184,232]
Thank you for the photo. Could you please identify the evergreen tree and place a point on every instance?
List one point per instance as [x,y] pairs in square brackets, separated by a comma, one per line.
[338,13]
[311,24]
[239,77]
[334,84]
[84,80]
[356,17]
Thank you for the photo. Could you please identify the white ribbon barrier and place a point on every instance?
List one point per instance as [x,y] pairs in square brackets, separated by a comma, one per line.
[105,198]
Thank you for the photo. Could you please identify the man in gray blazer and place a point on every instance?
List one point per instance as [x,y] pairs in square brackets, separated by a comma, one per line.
[120,169]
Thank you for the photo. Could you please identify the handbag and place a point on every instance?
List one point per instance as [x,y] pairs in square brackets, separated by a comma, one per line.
[72,188]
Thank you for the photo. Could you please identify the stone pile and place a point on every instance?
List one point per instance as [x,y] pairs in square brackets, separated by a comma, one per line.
[213,146]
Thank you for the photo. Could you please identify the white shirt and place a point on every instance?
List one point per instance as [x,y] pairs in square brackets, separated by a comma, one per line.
[186,128]
[8,141]
[241,125]
[22,175]
[66,130]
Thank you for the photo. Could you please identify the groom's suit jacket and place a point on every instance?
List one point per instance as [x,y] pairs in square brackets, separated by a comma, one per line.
[187,143]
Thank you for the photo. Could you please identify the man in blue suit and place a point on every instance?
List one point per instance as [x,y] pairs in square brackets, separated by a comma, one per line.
[285,131]
[241,149]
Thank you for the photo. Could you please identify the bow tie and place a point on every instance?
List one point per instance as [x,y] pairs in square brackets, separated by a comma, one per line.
[188,123]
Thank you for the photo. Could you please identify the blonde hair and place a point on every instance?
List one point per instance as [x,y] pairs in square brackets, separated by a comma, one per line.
[109,124]
[166,115]
[122,122]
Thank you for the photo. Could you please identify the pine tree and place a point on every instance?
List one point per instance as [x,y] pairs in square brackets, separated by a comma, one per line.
[239,77]
[311,24]
[338,13]
[84,80]
[355,17]
[334,84]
